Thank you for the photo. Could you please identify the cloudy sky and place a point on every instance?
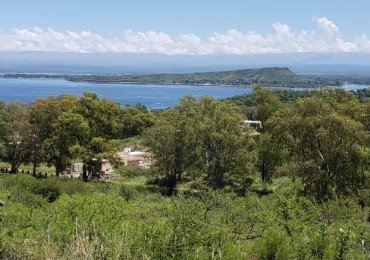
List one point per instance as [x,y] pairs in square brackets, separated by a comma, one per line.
[185,26]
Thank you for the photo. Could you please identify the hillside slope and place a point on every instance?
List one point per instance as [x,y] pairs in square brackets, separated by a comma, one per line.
[280,77]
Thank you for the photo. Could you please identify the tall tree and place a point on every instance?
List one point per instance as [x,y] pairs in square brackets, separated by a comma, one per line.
[169,141]
[134,120]
[43,114]
[15,135]
[203,135]
[325,147]
[266,103]
[70,129]
[224,146]
[102,115]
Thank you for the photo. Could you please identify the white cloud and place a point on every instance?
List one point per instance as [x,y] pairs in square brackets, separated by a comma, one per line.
[326,37]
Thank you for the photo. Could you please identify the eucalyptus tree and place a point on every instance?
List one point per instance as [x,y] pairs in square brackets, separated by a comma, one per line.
[15,134]
[101,118]
[101,114]
[223,146]
[42,114]
[70,130]
[203,135]
[133,120]
[267,103]
[321,144]
[170,141]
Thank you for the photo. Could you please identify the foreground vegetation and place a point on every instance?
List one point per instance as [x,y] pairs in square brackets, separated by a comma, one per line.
[297,188]
[64,219]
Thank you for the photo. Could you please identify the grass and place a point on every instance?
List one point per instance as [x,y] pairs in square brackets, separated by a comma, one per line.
[128,219]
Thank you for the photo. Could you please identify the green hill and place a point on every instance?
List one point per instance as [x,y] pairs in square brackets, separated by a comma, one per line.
[276,77]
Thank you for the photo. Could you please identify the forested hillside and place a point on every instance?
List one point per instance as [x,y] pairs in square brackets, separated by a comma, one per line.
[296,188]
[270,77]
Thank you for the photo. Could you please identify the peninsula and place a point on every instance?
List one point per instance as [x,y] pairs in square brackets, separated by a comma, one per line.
[272,77]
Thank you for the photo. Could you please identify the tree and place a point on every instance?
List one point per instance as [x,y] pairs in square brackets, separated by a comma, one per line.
[70,130]
[266,103]
[134,120]
[15,135]
[102,115]
[43,114]
[203,135]
[325,147]
[224,147]
[169,141]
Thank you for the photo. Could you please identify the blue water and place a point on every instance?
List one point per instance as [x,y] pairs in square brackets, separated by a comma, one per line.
[152,96]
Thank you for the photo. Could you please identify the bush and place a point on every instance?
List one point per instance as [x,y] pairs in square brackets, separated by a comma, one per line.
[49,189]
[132,171]
[128,192]
[274,244]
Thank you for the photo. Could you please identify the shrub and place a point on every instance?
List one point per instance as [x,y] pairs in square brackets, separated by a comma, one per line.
[128,192]
[131,171]
[274,244]
[49,189]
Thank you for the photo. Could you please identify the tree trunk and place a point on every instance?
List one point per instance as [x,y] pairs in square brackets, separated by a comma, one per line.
[84,173]
[34,167]
[14,168]
[264,172]
[171,184]
[58,169]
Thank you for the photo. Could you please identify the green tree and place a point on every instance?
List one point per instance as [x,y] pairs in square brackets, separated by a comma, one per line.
[224,147]
[16,135]
[43,114]
[205,136]
[170,143]
[102,115]
[70,129]
[324,147]
[134,120]
[266,103]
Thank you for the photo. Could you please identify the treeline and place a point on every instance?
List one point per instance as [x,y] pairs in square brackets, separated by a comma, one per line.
[320,138]
[59,130]
[339,80]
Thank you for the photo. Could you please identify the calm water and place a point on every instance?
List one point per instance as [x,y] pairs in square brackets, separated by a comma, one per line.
[152,96]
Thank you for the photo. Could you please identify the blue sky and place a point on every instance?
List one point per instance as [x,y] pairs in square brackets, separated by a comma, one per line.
[186,27]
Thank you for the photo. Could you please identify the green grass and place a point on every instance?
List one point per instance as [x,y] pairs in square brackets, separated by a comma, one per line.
[128,219]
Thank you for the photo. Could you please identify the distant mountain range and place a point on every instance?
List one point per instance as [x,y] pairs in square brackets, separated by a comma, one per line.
[138,63]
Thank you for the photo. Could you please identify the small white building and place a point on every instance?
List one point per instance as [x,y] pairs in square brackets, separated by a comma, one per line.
[134,158]
[77,167]
[254,124]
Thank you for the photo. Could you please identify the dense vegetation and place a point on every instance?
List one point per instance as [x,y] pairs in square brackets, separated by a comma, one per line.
[276,77]
[299,188]
[270,77]
[58,130]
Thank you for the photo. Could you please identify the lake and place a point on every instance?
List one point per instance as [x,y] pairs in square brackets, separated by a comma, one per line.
[152,96]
